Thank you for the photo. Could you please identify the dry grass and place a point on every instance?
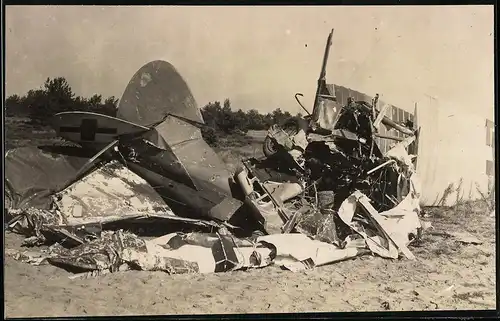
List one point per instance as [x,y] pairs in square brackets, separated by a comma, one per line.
[233,155]
[19,133]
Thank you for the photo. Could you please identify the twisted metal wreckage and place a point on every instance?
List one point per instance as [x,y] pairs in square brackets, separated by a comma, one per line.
[144,190]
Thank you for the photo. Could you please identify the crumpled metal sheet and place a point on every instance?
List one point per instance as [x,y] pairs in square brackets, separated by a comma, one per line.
[31,222]
[326,113]
[30,257]
[399,152]
[99,254]
[388,232]
[298,252]
[281,137]
[378,245]
[310,221]
[110,190]
[283,191]
[213,252]
[327,229]
[113,250]
[37,224]
[118,248]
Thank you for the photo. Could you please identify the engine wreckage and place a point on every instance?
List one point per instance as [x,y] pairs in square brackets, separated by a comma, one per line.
[144,190]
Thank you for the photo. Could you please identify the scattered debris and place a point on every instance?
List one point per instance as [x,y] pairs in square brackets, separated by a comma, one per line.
[464,237]
[152,195]
[446,291]
[426,225]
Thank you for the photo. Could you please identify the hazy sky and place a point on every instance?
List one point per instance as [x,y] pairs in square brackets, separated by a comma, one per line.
[259,57]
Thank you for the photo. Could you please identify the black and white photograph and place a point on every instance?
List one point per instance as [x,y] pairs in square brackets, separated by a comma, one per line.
[214,160]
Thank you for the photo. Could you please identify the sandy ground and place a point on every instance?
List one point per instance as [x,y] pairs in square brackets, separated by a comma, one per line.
[447,275]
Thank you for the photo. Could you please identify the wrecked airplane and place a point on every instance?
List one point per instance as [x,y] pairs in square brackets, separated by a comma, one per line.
[145,191]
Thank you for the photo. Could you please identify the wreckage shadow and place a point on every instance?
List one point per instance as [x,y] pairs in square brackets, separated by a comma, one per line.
[76,156]
[73,151]
[152,227]
[274,168]
[68,268]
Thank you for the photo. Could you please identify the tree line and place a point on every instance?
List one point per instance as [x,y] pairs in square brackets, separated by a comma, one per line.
[56,95]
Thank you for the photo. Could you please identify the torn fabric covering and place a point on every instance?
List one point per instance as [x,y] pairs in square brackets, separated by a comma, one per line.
[111,189]
[32,173]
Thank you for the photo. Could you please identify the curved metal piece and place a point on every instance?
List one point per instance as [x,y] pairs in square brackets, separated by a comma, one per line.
[298,101]
[156,90]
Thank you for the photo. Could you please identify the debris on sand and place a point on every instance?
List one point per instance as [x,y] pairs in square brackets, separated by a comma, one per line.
[146,192]
[465,237]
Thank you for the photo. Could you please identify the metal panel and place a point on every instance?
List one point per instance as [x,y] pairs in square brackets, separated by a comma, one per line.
[199,159]
[111,190]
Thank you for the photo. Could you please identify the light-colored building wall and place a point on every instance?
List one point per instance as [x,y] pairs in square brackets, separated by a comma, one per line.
[455,148]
